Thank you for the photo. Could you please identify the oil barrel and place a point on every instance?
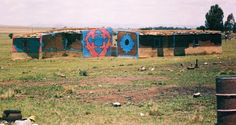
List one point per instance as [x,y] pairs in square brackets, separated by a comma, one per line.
[11,115]
[226,100]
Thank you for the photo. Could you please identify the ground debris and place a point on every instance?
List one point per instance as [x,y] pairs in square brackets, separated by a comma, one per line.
[60,74]
[121,65]
[87,113]
[216,63]
[170,70]
[142,68]
[182,70]
[191,67]
[25,72]
[14,117]
[116,104]
[196,95]
[129,98]
[99,85]
[205,63]
[23,122]
[152,68]
[141,114]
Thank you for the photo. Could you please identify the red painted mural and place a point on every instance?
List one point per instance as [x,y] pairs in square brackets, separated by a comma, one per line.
[97,42]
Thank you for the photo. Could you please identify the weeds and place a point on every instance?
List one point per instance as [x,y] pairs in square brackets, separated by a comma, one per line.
[83,73]
[36,77]
[9,93]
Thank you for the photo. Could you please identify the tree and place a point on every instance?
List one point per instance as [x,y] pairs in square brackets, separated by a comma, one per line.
[201,28]
[10,35]
[229,23]
[234,29]
[214,18]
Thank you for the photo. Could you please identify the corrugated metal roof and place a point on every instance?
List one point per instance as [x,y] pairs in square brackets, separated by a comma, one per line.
[38,34]
[142,32]
[176,32]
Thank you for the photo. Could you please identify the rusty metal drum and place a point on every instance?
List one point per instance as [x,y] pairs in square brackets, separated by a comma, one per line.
[11,115]
[226,100]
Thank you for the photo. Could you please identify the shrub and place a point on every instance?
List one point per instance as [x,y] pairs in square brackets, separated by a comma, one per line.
[83,73]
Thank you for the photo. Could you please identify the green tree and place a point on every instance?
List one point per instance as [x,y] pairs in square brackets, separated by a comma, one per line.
[234,29]
[201,28]
[229,23]
[10,35]
[214,18]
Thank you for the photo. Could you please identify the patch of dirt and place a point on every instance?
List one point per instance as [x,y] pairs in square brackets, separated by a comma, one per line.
[120,80]
[168,91]
[230,67]
[101,94]
[87,81]
[112,95]
[134,96]
[101,91]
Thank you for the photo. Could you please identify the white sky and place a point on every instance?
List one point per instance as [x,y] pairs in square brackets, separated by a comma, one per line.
[114,13]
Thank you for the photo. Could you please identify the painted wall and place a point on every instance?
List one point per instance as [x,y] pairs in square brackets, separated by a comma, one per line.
[97,42]
[179,45]
[26,45]
[24,48]
[128,44]
[61,44]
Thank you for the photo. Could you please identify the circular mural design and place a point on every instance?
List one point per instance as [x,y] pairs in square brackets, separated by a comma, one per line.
[98,41]
[126,43]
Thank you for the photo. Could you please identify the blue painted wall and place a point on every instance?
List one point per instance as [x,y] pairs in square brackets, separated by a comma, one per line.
[26,45]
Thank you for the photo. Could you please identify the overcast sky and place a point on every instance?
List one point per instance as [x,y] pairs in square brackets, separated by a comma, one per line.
[114,13]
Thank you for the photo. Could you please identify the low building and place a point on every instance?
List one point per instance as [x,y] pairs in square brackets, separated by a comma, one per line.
[100,43]
[158,43]
[26,47]
[59,44]
[56,43]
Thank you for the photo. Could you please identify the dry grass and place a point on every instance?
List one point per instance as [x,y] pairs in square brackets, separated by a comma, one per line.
[10,93]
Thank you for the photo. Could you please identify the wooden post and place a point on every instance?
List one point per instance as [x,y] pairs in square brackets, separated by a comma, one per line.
[174,44]
[41,47]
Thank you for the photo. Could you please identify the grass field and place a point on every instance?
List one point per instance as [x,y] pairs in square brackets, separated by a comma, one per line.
[74,91]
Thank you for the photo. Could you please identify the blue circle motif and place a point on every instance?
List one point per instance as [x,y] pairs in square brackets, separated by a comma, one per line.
[126,47]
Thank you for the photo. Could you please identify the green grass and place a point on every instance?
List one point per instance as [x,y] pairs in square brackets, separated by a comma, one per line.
[52,89]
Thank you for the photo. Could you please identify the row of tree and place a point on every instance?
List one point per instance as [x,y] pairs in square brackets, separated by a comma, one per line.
[214,20]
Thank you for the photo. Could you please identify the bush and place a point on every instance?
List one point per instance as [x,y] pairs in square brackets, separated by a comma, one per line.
[83,73]
[10,35]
